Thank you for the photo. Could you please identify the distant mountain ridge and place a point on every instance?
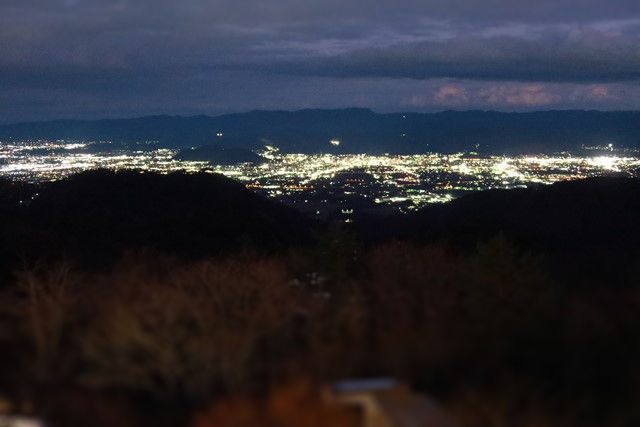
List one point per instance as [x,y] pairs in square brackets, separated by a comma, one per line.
[358,130]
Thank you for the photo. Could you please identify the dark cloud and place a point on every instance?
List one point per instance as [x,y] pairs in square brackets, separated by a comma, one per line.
[546,54]
[93,57]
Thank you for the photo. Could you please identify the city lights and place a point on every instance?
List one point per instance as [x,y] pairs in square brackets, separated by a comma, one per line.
[326,182]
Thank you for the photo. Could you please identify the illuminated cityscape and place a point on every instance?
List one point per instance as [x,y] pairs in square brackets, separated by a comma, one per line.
[327,184]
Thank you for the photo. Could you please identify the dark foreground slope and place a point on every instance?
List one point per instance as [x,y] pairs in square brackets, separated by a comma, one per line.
[481,324]
[589,226]
[96,216]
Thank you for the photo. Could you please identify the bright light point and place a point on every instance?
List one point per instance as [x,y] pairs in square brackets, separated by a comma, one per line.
[335,142]
[506,169]
[219,134]
[74,146]
[605,162]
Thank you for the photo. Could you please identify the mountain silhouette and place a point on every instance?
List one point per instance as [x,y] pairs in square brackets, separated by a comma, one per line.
[94,217]
[359,130]
[587,227]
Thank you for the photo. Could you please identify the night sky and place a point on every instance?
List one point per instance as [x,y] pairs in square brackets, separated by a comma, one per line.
[121,58]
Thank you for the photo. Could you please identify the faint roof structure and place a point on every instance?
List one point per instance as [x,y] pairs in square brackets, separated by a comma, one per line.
[385,402]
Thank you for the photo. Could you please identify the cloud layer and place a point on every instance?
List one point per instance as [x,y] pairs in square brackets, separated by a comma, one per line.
[124,57]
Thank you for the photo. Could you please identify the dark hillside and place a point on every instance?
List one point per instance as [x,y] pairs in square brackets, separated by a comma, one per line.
[96,216]
[591,225]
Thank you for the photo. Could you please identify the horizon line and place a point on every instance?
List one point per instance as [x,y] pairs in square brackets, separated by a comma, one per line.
[187,116]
